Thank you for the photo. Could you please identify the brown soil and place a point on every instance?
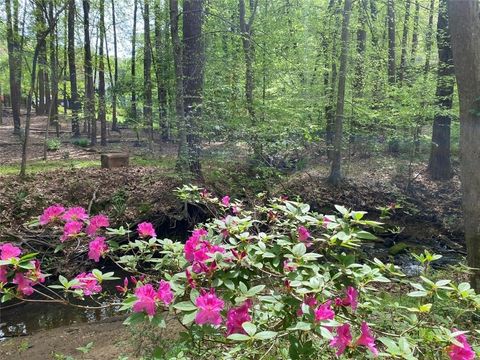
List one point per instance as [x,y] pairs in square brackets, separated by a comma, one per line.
[110,340]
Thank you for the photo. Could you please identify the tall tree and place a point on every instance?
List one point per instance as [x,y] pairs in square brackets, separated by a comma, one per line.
[403,56]
[416,19]
[115,76]
[429,37]
[193,71]
[335,176]
[75,105]
[391,41]
[147,69]
[102,116]
[89,103]
[182,159]
[465,36]
[160,73]
[53,109]
[14,62]
[133,105]
[246,32]
[42,58]
[359,79]
[439,165]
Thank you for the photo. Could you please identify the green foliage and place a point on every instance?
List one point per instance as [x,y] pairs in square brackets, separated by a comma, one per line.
[53,144]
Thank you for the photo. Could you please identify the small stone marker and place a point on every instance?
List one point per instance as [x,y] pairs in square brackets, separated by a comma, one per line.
[115,160]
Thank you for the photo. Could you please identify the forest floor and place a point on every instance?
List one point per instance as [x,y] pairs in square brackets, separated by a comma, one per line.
[428,213]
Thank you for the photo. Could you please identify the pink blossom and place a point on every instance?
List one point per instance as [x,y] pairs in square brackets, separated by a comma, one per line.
[463,352]
[75,214]
[289,266]
[146,229]
[88,283]
[3,274]
[367,339]
[145,299]
[97,222]
[198,251]
[97,248]
[36,273]
[164,292]
[303,234]
[123,289]
[324,312]
[71,229]
[326,220]
[24,284]
[51,214]
[190,280]
[310,301]
[350,299]
[237,316]
[209,306]
[342,340]
[9,251]
[226,201]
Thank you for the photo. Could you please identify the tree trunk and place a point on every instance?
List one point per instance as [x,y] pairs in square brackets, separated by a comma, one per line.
[246,34]
[147,67]
[115,74]
[102,116]
[89,90]
[429,37]
[359,80]
[465,36]
[403,56]
[193,70]
[182,159]
[391,42]
[133,106]
[75,105]
[335,176]
[161,74]
[53,109]
[416,18]
[14,62]
[439,165]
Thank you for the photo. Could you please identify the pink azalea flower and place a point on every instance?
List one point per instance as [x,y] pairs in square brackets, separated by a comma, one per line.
[309,300]
[97,222]
[88,283]
[75,214]
[303,235]
[226,201]
[71,229]
[325,222]
[24,285]
[209,306]
[324,312]
[288,266]
[237,316]
[97,248]
[123,289]
[463,352]
[367,339]
[36,273]
[198,251]
[51,214]
[146,229]
[190,280]
[145,299]
[9,251]
[164,292]
[342,340]
[350,299]
[3,274]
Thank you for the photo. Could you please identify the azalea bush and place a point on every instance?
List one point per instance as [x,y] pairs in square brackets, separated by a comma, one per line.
[273,280]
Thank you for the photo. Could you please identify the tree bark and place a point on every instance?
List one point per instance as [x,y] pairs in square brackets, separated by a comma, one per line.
[439,166]
[391,42]
[89,103]
[147,69]
[14,62]
[102,116]
[75,105]
[403,56]
[161,75]
[193,70]
[133,105]
[465,36]
[115,76]
[416,17]
[335,176]
[53,109]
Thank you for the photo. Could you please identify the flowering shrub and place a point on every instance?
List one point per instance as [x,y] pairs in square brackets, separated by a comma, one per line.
[277,281]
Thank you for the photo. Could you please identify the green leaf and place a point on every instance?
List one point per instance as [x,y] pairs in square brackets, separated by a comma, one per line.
[265,335]
[250,328]
[418,293]
[238,337]
[185,306]
[303,326]
[188,318]
[255,290]
[299,250]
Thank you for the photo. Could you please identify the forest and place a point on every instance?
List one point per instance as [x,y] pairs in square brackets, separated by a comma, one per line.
[239,179]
